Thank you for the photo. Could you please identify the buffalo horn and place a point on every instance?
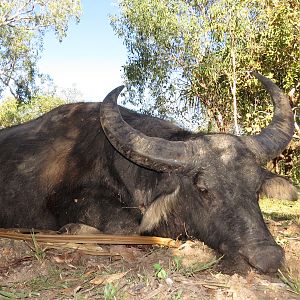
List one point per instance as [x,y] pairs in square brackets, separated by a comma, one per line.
[274,138]
[151,152]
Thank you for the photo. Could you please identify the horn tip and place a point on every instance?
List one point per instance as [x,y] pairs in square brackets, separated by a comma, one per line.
[113,95]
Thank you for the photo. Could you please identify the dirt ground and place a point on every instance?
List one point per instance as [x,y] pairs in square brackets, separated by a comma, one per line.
[192,271]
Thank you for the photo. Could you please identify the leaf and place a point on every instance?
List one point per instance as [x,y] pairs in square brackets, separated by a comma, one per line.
[160,272]
[129,254]
[157,267]
[105,279]
[23,25]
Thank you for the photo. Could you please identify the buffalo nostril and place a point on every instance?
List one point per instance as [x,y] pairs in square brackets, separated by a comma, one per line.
[266,258]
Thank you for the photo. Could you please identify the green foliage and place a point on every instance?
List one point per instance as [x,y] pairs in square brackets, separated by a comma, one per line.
[160,273]
[196,53]
[199,267]
[39,253]
[17,295]
[276,209]
[257,120]
[177,260]
[22,27]
[280,43]
[110,291]
[192,58]
[13,113]
[292,282]
[185,52]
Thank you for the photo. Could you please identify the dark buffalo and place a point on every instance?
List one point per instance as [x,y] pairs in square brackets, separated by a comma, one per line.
[123,172]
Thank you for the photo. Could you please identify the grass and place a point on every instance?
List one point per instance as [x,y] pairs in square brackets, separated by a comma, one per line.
[49,282]
[33,287]
[287,212]
[57,278]
[160,272]
[278,210]
[110,291]
[62,281]
[16,295]
[198,267]
[290,280]
[39,253]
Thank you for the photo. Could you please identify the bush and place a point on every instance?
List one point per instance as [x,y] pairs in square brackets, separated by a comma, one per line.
[13,113]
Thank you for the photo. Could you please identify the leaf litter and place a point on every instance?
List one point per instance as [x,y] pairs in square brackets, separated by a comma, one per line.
[193,271]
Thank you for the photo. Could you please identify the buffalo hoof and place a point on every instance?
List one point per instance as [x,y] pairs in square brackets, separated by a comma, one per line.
[265,258]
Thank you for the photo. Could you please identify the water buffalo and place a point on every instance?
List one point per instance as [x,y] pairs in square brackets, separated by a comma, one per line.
[122,172]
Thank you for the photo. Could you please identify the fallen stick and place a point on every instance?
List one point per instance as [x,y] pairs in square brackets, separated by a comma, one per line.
[107,239]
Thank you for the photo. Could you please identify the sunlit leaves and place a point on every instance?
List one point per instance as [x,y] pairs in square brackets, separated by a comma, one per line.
[23,24]
[197,54]
[14,113]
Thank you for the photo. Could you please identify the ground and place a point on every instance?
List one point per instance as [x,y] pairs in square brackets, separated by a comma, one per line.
[190,271]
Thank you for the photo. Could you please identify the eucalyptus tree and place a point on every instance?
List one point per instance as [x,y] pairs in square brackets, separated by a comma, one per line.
[23,24]
[197,54]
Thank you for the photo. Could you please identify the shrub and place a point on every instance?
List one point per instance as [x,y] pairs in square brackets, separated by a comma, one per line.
[13,113]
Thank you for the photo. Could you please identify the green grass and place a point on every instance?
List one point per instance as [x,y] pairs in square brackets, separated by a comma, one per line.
[39,253]
[290,280]
[33,286]
[280,209]
[110,291]
[16,295]
[57,279]
[51,281]
[287,212]
[195,267]
[160,272]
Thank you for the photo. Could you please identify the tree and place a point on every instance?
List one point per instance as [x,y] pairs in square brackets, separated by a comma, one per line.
[23,24]
[14,113]
[195,56]
[197,53]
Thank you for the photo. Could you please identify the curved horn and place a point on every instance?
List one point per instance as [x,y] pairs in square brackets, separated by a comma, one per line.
[151,152]
[273,139]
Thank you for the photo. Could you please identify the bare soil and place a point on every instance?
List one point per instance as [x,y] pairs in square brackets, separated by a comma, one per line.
[191,271]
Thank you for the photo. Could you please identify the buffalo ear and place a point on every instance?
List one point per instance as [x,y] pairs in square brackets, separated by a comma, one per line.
[278,187]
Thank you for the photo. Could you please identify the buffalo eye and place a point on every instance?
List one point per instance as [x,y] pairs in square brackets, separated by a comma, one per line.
[200,184]
[202,189]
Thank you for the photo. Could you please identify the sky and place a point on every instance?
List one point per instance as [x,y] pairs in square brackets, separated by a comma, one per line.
[91,57]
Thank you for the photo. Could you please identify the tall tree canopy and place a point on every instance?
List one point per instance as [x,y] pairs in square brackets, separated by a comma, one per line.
[23,24]
[197,53]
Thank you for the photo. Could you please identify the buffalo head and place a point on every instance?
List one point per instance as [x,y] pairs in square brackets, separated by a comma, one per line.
[216,178]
